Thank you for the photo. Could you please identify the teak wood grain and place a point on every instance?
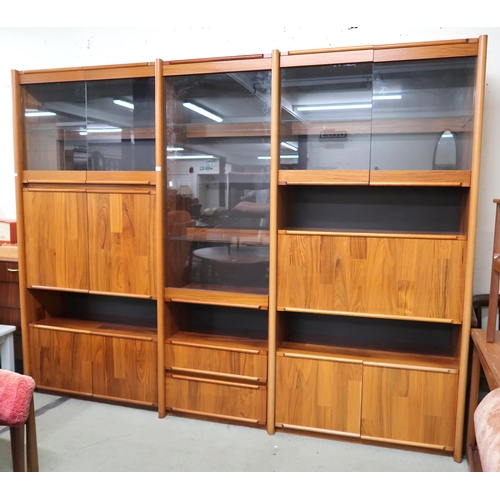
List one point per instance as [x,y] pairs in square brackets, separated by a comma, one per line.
[370,275]
[246,402]
[319,394]
[125,369]
[94,365]
[55,233]
[122,243]
[409,406]
[215,361]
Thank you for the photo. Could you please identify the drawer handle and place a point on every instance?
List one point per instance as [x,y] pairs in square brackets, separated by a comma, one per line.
[209,373]
[12,270]
[218,382]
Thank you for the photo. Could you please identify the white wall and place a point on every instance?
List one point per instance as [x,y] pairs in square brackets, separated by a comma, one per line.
[41,48]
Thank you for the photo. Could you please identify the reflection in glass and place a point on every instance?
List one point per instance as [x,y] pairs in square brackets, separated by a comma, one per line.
[445,154]
[435,95]
[217,182]
[326,117]
[98,125]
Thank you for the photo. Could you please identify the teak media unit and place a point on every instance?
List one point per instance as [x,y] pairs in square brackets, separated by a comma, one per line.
[285,241]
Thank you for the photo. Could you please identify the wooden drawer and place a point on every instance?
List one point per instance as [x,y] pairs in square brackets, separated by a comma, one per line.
[9,295]
[213,398]
[212,361]
[9,271]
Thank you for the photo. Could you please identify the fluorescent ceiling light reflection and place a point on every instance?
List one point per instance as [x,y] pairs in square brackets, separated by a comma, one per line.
[387,97]
[123,103]
[190,157]
[289,146]
[331,107]
[202,111]
[174,148]
[34,112]
[363,105]
[283,157]
[103,130]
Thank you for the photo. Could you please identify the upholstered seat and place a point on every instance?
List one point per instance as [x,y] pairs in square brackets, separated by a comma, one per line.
[17,412]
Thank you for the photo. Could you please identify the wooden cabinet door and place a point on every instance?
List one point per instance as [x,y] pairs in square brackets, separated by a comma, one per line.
[122,243]
[61,360]
[408,277]
[125,369]
[56,239]
[409,406]
[322,395]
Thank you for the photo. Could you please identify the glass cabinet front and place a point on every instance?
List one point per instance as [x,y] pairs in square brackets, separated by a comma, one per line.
[411,115]
[97,125]
[326,117]
[422,114]
[217,182]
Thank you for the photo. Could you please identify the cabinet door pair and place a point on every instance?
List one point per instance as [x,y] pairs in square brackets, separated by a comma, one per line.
[102,242]
[400,405]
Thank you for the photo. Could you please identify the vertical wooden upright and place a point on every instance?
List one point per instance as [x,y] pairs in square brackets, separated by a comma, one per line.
[471,243]
[160,224]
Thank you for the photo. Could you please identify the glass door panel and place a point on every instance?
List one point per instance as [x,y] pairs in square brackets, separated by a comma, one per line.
[55,114]
[121,121]
[326,117]
[98,125]
[217,191]
[423,114]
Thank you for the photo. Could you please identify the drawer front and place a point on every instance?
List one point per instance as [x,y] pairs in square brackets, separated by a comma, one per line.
[242,402]
[202,361]
[9,271]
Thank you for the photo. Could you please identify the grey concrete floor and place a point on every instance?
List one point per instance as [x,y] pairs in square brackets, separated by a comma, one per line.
[82,436]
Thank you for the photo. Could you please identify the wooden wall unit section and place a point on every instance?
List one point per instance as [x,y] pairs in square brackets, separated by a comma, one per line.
[55,232]
[87,234]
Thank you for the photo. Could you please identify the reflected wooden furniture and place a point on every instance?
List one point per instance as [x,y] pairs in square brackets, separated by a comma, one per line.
[239,265]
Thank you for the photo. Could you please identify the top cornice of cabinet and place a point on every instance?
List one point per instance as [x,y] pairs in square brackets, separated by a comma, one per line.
[381,53]
[339,55]
[252,62]
[109,72]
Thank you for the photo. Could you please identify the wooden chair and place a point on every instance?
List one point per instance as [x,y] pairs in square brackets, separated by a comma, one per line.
[17,412]
[483,435]
[495,273]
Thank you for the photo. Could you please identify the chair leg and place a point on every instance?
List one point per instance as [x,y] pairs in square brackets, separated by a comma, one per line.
[492,307]
[17,448]
[31,443]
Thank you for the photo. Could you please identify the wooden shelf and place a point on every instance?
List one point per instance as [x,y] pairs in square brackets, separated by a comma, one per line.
[460,178]
[215,341]
[219,295]
[374,234]
[98,328]
[384,358]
